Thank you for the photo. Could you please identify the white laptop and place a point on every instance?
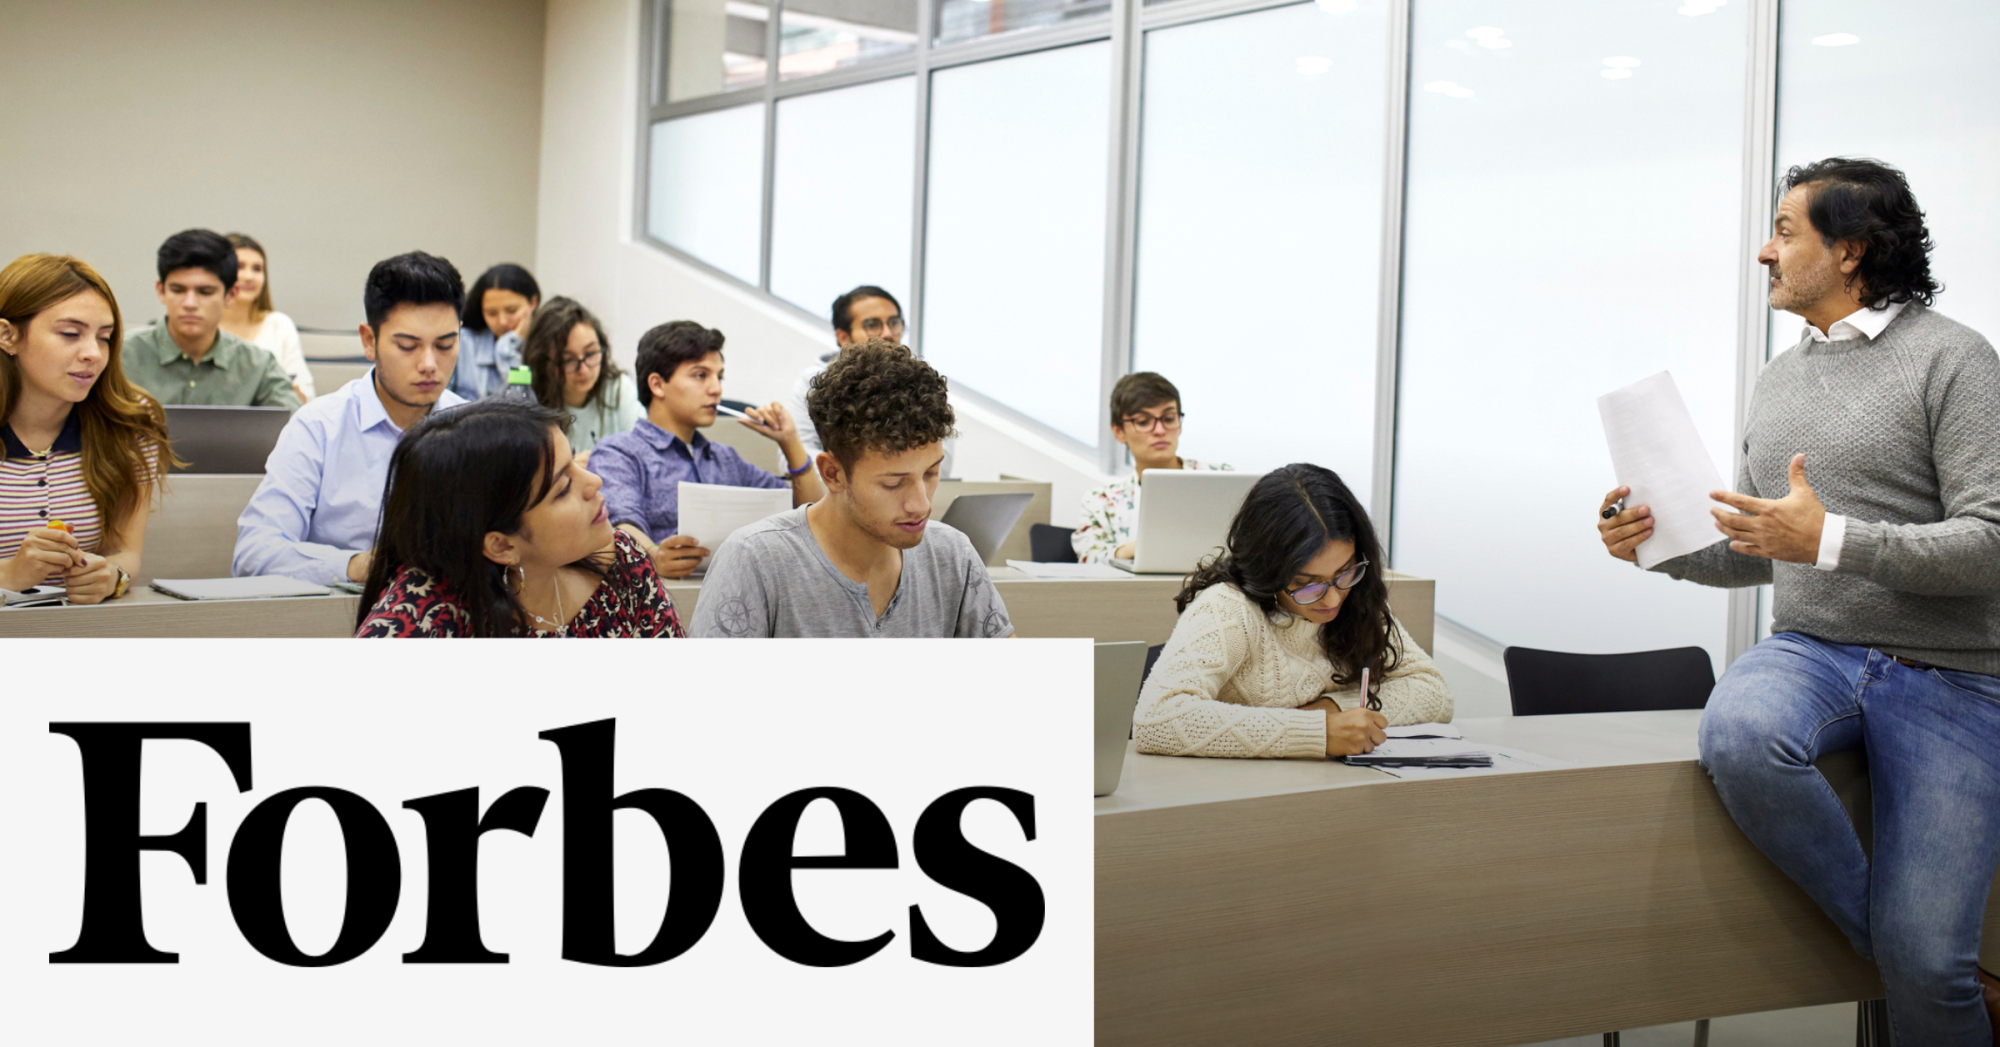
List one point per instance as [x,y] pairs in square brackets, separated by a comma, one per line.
[1184,515]
[1121,668]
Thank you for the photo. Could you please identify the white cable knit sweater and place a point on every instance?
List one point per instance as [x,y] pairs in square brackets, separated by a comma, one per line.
[1230,683]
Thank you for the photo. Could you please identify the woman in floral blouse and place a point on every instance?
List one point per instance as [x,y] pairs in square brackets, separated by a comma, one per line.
[491,527]
[1146,417]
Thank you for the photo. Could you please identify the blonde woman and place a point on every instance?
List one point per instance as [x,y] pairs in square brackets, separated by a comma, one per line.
[83,447]
[249,315]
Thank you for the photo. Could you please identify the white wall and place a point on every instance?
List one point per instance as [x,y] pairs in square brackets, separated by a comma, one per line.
[586,250]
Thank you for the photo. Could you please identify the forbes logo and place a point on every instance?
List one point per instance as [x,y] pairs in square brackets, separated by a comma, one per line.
[113,929]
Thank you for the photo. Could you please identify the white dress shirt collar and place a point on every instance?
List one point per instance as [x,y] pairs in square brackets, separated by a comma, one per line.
[1861,323]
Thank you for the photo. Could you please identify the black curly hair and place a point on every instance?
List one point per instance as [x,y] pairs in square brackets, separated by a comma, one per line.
[1870,203]
[877,396]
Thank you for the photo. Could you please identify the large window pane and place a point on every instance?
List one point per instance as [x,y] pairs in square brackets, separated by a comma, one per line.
[707,191]
[1260,232]
[1014,259]
[1575,203]
[841,209]
[818,36]
[967,19]
[1913,84]
[713,46]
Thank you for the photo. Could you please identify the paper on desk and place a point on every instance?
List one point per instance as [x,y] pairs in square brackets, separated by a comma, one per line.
[1423,749]
[1505,761]
[713,512]
[1423,730]
[258,587]
[1066,570]
[1657,452]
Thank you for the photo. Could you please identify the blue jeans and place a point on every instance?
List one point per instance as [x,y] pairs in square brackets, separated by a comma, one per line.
[1932,739]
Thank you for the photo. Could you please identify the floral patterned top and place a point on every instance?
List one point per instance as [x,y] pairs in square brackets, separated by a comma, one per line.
[631,601]
[1110,513]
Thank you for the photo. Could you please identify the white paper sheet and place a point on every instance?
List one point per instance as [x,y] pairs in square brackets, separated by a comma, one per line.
[713,512]
[1657,452]
[1505,761]
[1424,730]
[1424,749]
[1067,570]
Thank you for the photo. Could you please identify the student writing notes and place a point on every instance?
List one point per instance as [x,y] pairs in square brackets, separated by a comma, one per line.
[313,516]
[1146,417]
[492,527]
[570,356]
[494,322]
[250,316]
[188,358]
[680,368]
[1870,490]
[866,561]
[1268,655]
[83,448]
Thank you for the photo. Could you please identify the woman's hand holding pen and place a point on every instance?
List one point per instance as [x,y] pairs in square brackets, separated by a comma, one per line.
[1354,731]
[1623,529]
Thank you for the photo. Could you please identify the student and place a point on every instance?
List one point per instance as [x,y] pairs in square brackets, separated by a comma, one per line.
[495,322]
[82,447]
[188,358]
[491,527]
[867,560]
[863,314]
[249,315]
[680,374]
[1886,567]
[1267,657]
[313,517]
[570,357]
[1146,417]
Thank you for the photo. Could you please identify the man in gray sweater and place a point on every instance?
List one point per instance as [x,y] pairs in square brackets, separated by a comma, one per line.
[1887,616]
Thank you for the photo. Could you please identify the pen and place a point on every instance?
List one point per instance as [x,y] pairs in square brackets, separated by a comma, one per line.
[731,412]
[1364,688]
[1614,508]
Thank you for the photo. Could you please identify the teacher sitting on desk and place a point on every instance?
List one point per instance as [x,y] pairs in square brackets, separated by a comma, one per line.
[1886,634]
[1274,636]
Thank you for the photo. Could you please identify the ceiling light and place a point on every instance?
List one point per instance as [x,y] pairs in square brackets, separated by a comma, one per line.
[1691,10]
[1621,62]
[1485,32]
[1836,39]
[1615,74]
[1338,7]
[1314,65]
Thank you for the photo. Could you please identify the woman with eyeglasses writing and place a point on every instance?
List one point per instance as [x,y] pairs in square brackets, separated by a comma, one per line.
[570,357]
[1268,656]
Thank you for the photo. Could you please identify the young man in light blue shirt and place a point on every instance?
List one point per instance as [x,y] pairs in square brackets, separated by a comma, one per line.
[313,518]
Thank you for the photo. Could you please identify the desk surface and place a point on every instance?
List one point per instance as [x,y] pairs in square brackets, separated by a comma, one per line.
[1503,909]
[143,612]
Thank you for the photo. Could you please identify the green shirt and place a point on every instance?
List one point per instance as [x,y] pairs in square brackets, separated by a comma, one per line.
[233,374]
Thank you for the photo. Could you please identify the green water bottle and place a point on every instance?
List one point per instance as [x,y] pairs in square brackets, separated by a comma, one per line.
[520,384]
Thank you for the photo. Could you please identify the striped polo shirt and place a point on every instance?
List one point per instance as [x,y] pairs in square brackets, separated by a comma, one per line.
[35,489]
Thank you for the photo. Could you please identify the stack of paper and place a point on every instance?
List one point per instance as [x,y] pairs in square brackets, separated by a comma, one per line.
[1034,569]
[1505,761]
[255,588]
[713,512]
[1424,752]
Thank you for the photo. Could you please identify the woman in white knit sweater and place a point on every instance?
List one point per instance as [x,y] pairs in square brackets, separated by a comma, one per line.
[1268,654]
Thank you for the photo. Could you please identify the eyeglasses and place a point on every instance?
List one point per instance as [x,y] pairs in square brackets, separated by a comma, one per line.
[1345,580]
[875,325]
[578,363]
[1145,422]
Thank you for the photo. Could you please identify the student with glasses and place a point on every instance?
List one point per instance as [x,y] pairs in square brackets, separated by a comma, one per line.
[567,352]
[1274,635]
[867,313]
[1146,417]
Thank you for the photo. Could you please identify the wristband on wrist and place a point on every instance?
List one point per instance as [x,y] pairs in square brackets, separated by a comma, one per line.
[793,474]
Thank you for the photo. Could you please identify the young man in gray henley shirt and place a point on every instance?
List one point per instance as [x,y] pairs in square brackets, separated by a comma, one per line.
[1886,564]
[866,560]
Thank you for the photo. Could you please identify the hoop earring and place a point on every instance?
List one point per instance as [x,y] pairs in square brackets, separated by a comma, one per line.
[519,572]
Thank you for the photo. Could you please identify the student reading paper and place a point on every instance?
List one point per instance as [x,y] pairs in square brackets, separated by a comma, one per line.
[1267,657]
[867,560]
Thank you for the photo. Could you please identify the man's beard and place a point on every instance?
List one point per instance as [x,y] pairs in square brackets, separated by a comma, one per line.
[1798,290]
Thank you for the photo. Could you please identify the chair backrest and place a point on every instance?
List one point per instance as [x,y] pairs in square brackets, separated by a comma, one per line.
[1048,543]
[1152,656]
[1547,682]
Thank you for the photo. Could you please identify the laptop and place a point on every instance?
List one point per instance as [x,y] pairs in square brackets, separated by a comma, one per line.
[987,519]
[1121,668]
[224,439]
[1184,515]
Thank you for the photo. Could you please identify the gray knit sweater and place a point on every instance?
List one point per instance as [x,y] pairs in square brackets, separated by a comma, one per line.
[1902,436]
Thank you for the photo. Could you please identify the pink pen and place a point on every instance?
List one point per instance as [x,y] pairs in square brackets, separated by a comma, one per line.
[1364,688]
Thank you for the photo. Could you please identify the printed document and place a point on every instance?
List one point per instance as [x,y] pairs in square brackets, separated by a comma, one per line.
[1657,452]
[713,512]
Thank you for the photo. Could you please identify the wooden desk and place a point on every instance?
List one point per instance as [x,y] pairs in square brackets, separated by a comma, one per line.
[143,612]
[1130,607]
[1282,901]
[192,532]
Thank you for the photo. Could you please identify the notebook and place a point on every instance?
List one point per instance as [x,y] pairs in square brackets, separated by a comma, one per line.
[256,588]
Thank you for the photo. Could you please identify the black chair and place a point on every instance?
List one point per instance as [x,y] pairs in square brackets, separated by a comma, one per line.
[1152,655]
[1048,543]
[1546,683]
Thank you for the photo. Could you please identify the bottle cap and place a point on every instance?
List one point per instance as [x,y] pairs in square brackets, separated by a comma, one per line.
[520,376]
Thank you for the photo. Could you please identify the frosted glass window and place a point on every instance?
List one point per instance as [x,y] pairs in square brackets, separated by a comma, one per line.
[1014,259]
[1912,84]
[1260,231]
[713,46]
[706,195]
[819,36]
[841,211]
[1573,225]
[968,19]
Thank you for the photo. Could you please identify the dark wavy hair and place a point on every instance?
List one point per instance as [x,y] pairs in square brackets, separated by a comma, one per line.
[877,396]
[1285,521]
[456,475]
[548,336]
[507,277]
[665,348]
[1870,203]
